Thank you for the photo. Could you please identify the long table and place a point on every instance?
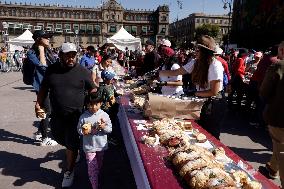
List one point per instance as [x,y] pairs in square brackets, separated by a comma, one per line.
[150,168]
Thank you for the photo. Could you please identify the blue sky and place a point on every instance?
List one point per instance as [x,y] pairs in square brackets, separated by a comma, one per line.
[188,6]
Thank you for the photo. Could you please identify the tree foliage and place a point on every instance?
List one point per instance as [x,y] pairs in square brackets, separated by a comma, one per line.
[207,29]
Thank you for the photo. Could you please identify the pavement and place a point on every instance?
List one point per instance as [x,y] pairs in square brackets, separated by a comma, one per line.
[24,164]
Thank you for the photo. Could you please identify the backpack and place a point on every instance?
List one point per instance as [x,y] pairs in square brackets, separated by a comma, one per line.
[28,70]
[225,79]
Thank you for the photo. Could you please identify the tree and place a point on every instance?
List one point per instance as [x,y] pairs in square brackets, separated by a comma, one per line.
[207,29]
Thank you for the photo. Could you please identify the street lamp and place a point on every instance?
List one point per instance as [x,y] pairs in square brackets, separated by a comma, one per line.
[76,39]
[228,3]
[6,34]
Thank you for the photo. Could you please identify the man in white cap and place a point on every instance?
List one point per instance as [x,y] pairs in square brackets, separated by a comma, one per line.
[67,83]
[166,42]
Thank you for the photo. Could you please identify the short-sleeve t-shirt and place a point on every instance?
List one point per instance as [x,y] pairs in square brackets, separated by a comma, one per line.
[215,72]
[67,87]
[171,90]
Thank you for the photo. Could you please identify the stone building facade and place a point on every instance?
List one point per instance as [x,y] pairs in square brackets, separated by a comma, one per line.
[183,31]
[84,25]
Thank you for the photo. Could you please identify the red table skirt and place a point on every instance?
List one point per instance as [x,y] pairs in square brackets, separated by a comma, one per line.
[150,168]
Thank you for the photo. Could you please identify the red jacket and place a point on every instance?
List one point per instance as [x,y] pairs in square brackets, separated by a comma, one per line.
[225,66]
[239,67]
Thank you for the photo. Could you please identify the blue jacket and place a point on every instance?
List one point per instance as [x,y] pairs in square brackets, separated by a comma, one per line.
[95,141]
[87,61]
[33,57]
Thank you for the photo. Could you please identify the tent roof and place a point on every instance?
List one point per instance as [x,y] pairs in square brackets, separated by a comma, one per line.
[122,34]
[25,39]
[27,35]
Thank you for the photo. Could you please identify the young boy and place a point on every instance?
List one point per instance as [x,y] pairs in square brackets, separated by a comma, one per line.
[107,92]
[94,124]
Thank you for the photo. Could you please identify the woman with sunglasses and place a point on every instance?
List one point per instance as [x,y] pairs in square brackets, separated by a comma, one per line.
[207,75]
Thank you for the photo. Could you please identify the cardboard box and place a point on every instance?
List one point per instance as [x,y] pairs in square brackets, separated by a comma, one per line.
[164,107]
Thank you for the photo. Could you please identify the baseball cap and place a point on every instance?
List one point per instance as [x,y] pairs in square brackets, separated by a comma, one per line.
[150,42]
[41,34]
[218,50]
[169,52]
[68,47]
[107,75]
[166,42]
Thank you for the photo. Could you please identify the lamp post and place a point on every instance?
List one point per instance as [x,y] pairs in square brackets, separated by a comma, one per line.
[228,3]
[76,39]
[6,34]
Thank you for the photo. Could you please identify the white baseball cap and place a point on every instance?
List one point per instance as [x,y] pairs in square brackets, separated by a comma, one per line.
[218,50]
[166,43]
[68,47]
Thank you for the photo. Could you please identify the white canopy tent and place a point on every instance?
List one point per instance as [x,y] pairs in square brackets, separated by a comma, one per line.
[123,39]
[23,40]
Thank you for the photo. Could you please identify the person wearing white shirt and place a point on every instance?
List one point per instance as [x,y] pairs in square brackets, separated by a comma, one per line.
[173,84]
[207,75]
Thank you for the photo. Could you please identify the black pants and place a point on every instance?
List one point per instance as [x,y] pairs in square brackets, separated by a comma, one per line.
[238,88]
[44,123]
[212,114]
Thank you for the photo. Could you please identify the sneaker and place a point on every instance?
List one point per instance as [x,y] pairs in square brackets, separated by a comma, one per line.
[68,179]
[48,142]
[272,174]
[37,136]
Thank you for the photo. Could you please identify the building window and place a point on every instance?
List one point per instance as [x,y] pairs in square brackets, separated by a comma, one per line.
[221,21]
[134,30]
[82,28]
[97,29]
[76,28]
[127,17]
[127,28]
[138,17]
[112,28]
[90,29]
[163,31]
[67,26]
[164,18]
[113,16]
[150,29]
[144,29]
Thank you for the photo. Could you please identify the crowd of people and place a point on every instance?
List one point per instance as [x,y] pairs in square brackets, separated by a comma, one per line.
[76,91]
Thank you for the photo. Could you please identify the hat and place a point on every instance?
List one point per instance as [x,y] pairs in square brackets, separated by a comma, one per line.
[166,42]
[169,52]
[68,47]
[150,42]
[218,50]
[107,75]
[207,42]
[41,34]
[258,54]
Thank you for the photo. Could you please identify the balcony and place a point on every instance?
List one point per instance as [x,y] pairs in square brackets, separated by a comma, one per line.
[68,31]
[37,28]
[49,29]
[27,27]
[58,30]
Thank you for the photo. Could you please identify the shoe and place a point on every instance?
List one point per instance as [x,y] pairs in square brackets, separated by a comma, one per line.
[78,158]
[37,136]
[68,179]
[48,142]
[271,173]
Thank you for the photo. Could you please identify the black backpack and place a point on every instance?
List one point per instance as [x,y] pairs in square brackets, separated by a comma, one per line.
[28,70]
